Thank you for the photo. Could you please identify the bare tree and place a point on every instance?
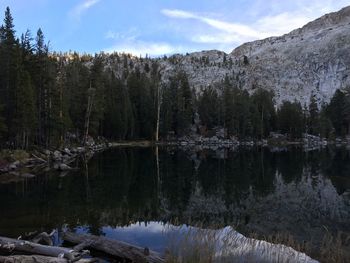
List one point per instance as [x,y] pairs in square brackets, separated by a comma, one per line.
[91,95]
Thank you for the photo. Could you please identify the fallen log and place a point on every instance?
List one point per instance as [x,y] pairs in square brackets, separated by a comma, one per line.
[114,248]
[40,259]
[10,244]
[39,159]
[44,238]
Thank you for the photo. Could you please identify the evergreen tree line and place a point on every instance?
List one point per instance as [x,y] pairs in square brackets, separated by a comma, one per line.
[48,99]
[255,116]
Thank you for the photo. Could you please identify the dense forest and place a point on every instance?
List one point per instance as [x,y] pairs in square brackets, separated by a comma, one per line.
[49,98]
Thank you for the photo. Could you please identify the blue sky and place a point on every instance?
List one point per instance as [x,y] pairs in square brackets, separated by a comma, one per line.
[158,27]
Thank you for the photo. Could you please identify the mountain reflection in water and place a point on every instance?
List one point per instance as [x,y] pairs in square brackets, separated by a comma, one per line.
[257,191]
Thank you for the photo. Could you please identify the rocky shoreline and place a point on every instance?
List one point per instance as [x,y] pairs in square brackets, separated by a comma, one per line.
[18,164]
[31,163]
[308,141]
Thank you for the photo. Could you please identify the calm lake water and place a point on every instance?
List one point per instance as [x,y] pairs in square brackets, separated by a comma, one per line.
[133,194]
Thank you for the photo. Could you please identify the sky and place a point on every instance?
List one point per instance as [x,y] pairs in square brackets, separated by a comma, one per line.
[159,27]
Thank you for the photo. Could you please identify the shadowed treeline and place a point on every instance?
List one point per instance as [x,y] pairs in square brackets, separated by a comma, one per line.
[255,191]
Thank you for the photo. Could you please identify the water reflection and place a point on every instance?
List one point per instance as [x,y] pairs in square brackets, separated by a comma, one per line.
[261,191]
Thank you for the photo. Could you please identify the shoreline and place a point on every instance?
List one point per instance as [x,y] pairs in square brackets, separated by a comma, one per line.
[27,164]
[121,144]
[19,164]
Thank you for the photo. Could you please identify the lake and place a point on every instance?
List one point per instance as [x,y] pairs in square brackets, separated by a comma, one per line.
[135,194]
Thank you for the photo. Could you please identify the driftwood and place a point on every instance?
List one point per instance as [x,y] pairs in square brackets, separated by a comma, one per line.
[44,238]
[23,246]
[38,158]
[114,248]
[40,259]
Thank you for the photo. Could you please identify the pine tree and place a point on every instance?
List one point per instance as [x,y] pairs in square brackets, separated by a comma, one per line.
[3,128]
[43,79]
[335,112]
[229,113]
[60,121]
[26,115]
[326,127]
[27,50]
[313,118]
[208,107]
[166,112]
[98,85]
[346,110]
[263,113]
[290,119]
[9,57]
[184,111]
[244,108]
[77,81]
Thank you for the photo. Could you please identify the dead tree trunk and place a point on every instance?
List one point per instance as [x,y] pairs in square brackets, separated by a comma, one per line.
[114,248]
[40,259]
[44,238]
[159,103]
[91,95]
[10,244]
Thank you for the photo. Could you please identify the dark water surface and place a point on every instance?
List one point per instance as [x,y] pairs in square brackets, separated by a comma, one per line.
[131,193]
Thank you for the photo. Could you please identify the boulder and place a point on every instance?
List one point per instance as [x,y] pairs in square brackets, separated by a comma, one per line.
[14,165]
[14,173]
[57,154]
[27,175]
[80,149]
[64,167]
[67,151]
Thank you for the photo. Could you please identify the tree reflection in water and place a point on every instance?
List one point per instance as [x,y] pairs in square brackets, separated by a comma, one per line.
[300,193]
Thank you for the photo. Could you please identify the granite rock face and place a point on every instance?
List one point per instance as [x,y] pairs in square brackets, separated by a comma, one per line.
[314,59]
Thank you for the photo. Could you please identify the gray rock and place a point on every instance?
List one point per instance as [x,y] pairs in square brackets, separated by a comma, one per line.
[80,149]
[64,167]
[314,58]
[14,165]
[63,174]
[4,169]
[14,173]
[27,175]
[67,151]
[57,154]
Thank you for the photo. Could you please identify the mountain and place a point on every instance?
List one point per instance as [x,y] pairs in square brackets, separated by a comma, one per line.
[314,59]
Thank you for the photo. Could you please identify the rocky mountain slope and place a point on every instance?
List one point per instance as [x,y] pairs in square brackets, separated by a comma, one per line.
[312,59]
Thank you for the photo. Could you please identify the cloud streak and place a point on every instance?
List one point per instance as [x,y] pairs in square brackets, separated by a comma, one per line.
[143,48]
[206,31]
[233,28]
[229,34]
[129,42]
[78,10]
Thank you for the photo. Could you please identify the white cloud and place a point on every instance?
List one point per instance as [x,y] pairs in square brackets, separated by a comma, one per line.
[143,48]
[175,13]
[78,10]
[131,34]
[211,32]
[234,28]
[129,41]
[281,21]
